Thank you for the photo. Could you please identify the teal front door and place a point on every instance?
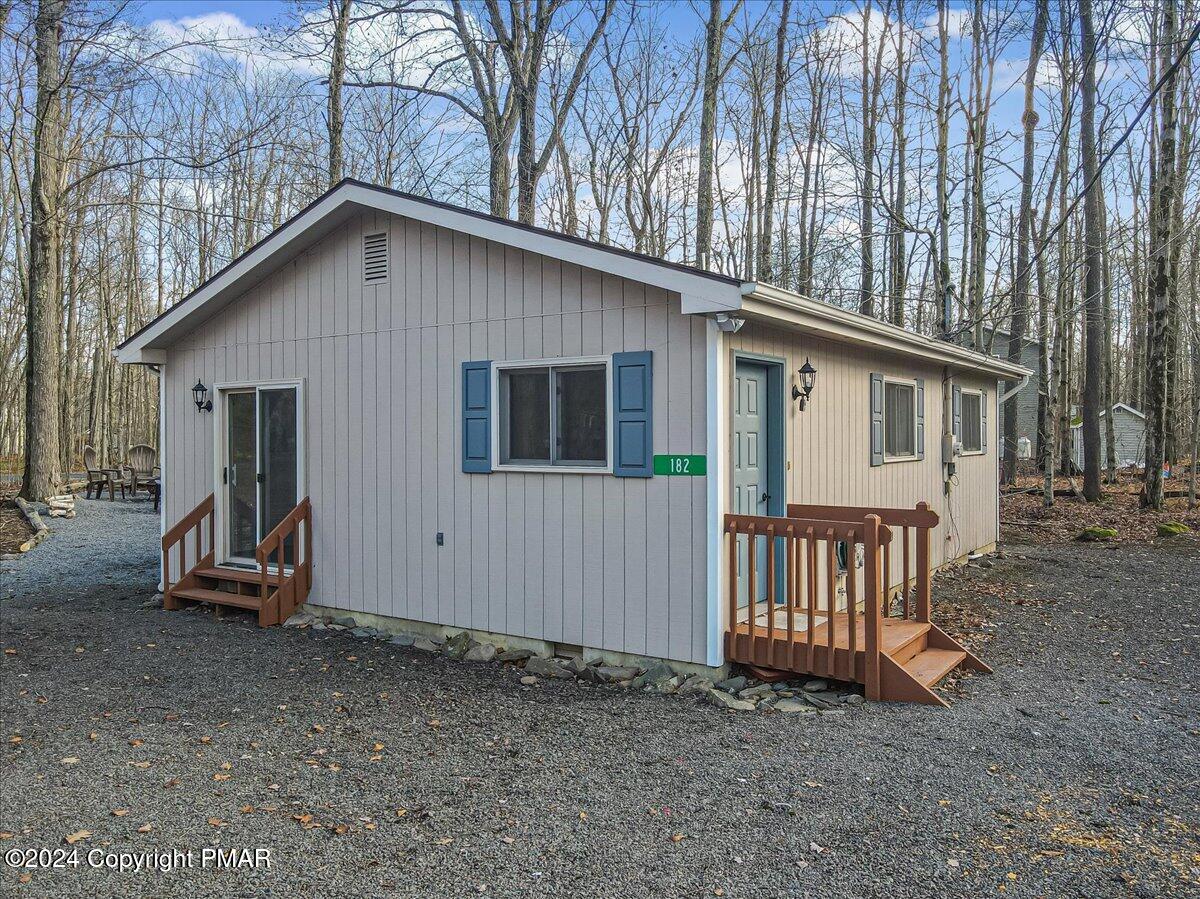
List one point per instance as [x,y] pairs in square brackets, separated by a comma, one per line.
[751,463]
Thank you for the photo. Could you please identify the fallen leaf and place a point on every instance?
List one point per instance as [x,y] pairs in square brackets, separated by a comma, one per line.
[401,812]
[677,837]
[378,747]
[78,835]
[70,760]
[226,766]
[303,819]
[246,809]
[217,822]
[24,878]
[221,776]
[16,738]
[93,736]
[145,828]
[120,812]
[136,742]
[6,834]
[445,841]
[206,739]
[140,764]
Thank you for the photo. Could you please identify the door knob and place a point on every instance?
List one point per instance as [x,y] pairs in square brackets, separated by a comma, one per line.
[764,497]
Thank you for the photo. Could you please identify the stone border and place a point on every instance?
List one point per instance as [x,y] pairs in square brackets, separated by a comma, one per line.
[806,695]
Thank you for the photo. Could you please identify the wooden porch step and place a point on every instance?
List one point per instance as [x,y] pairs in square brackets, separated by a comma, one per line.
[930,666]
[241,575]
[219,597]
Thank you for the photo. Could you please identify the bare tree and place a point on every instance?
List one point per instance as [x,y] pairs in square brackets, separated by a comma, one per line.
[714,70]
[43,320]
[1162,199]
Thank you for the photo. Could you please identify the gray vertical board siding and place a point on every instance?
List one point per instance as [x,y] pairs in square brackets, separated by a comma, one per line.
[828,445]
[612,563]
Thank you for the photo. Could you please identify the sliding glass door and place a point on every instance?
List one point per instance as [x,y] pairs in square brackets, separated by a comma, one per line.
[260,472]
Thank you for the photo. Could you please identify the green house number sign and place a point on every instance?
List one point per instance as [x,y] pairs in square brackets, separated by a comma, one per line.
[681,466]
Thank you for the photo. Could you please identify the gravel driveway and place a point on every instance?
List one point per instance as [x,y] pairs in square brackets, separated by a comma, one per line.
[369,769]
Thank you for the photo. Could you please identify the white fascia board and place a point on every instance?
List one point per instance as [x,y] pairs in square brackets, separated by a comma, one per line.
[771,304]
[701,292]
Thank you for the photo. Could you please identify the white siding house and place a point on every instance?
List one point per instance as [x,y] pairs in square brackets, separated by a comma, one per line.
[1129,435]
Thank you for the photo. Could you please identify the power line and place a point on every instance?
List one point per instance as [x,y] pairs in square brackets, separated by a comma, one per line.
[1065,217]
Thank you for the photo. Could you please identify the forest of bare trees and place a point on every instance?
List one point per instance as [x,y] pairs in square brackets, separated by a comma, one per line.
[985,172]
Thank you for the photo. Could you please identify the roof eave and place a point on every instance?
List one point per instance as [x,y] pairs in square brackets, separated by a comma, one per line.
[829,321]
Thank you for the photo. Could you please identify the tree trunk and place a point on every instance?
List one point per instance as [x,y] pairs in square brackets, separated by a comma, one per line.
[1020,300]
[714,41]
[765,262]
[43,315]
[1093,311]
[866,223]
[337,74]
[1162,190]
[942,268]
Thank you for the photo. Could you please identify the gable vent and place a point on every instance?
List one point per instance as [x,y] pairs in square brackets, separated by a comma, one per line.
[375,258]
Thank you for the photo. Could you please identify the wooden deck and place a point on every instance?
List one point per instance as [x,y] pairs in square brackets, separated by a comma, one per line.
[809,615]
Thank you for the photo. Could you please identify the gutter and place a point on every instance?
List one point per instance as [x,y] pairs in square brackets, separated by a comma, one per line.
[826,320]
[1014,390]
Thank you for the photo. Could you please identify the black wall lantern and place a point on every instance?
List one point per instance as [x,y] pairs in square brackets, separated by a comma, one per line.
[200,395]
[808,380]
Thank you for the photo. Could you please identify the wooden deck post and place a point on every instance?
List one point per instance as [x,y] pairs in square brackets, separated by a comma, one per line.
[872,604]
[923,572]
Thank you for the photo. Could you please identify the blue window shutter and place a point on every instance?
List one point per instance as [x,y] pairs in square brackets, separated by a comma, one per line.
[983,427]
[633,391]
[876,419]
[956,413]
[920,418]
[477,417]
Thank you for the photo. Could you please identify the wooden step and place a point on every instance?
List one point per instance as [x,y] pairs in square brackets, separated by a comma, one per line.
[219,597]
[907,643]
[930,666]
[241,575]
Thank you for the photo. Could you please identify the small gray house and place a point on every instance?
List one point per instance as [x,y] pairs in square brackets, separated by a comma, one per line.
[435,419]
[1129,437]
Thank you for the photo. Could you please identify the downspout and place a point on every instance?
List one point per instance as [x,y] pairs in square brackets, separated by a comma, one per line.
[1000,437]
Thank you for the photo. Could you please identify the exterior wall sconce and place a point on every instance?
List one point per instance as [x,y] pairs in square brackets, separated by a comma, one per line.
[729,323]
[200,396]
[808,380]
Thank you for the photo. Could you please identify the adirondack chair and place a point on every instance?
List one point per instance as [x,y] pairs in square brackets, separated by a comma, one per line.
[141,466]
[98,478]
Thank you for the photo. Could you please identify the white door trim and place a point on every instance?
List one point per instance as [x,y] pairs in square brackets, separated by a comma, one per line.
[221,448]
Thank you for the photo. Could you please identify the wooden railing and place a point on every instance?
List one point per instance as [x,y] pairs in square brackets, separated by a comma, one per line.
[819,633]
[915,565]
[193,523]
[293,585]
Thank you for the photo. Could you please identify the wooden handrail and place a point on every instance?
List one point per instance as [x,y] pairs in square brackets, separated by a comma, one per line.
[190,524]
[917,525]
[292,588]
[795,586]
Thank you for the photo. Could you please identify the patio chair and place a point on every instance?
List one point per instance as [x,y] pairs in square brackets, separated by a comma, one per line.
[98,478]
[140,466]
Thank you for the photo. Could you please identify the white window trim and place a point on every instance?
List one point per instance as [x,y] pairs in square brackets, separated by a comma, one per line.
[557,362]
[912,457]
[966,452]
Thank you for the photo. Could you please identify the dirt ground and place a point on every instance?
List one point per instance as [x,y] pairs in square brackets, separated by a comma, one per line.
[370,769]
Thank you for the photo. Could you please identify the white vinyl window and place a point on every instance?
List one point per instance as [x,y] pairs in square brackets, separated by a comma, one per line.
[554,414]
[972,422]
[899,420]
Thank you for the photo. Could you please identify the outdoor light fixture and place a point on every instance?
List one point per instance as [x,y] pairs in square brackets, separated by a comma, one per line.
[200,395]
[808,380]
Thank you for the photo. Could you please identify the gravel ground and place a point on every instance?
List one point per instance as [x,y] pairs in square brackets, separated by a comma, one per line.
[1072,771]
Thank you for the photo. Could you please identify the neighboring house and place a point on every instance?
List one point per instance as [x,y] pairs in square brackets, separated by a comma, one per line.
[1129,436]
[437,419]
[996,344]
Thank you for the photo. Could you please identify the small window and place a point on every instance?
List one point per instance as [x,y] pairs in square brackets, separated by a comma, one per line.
[554,415]
[899,420]
[972,422]
[375,257]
